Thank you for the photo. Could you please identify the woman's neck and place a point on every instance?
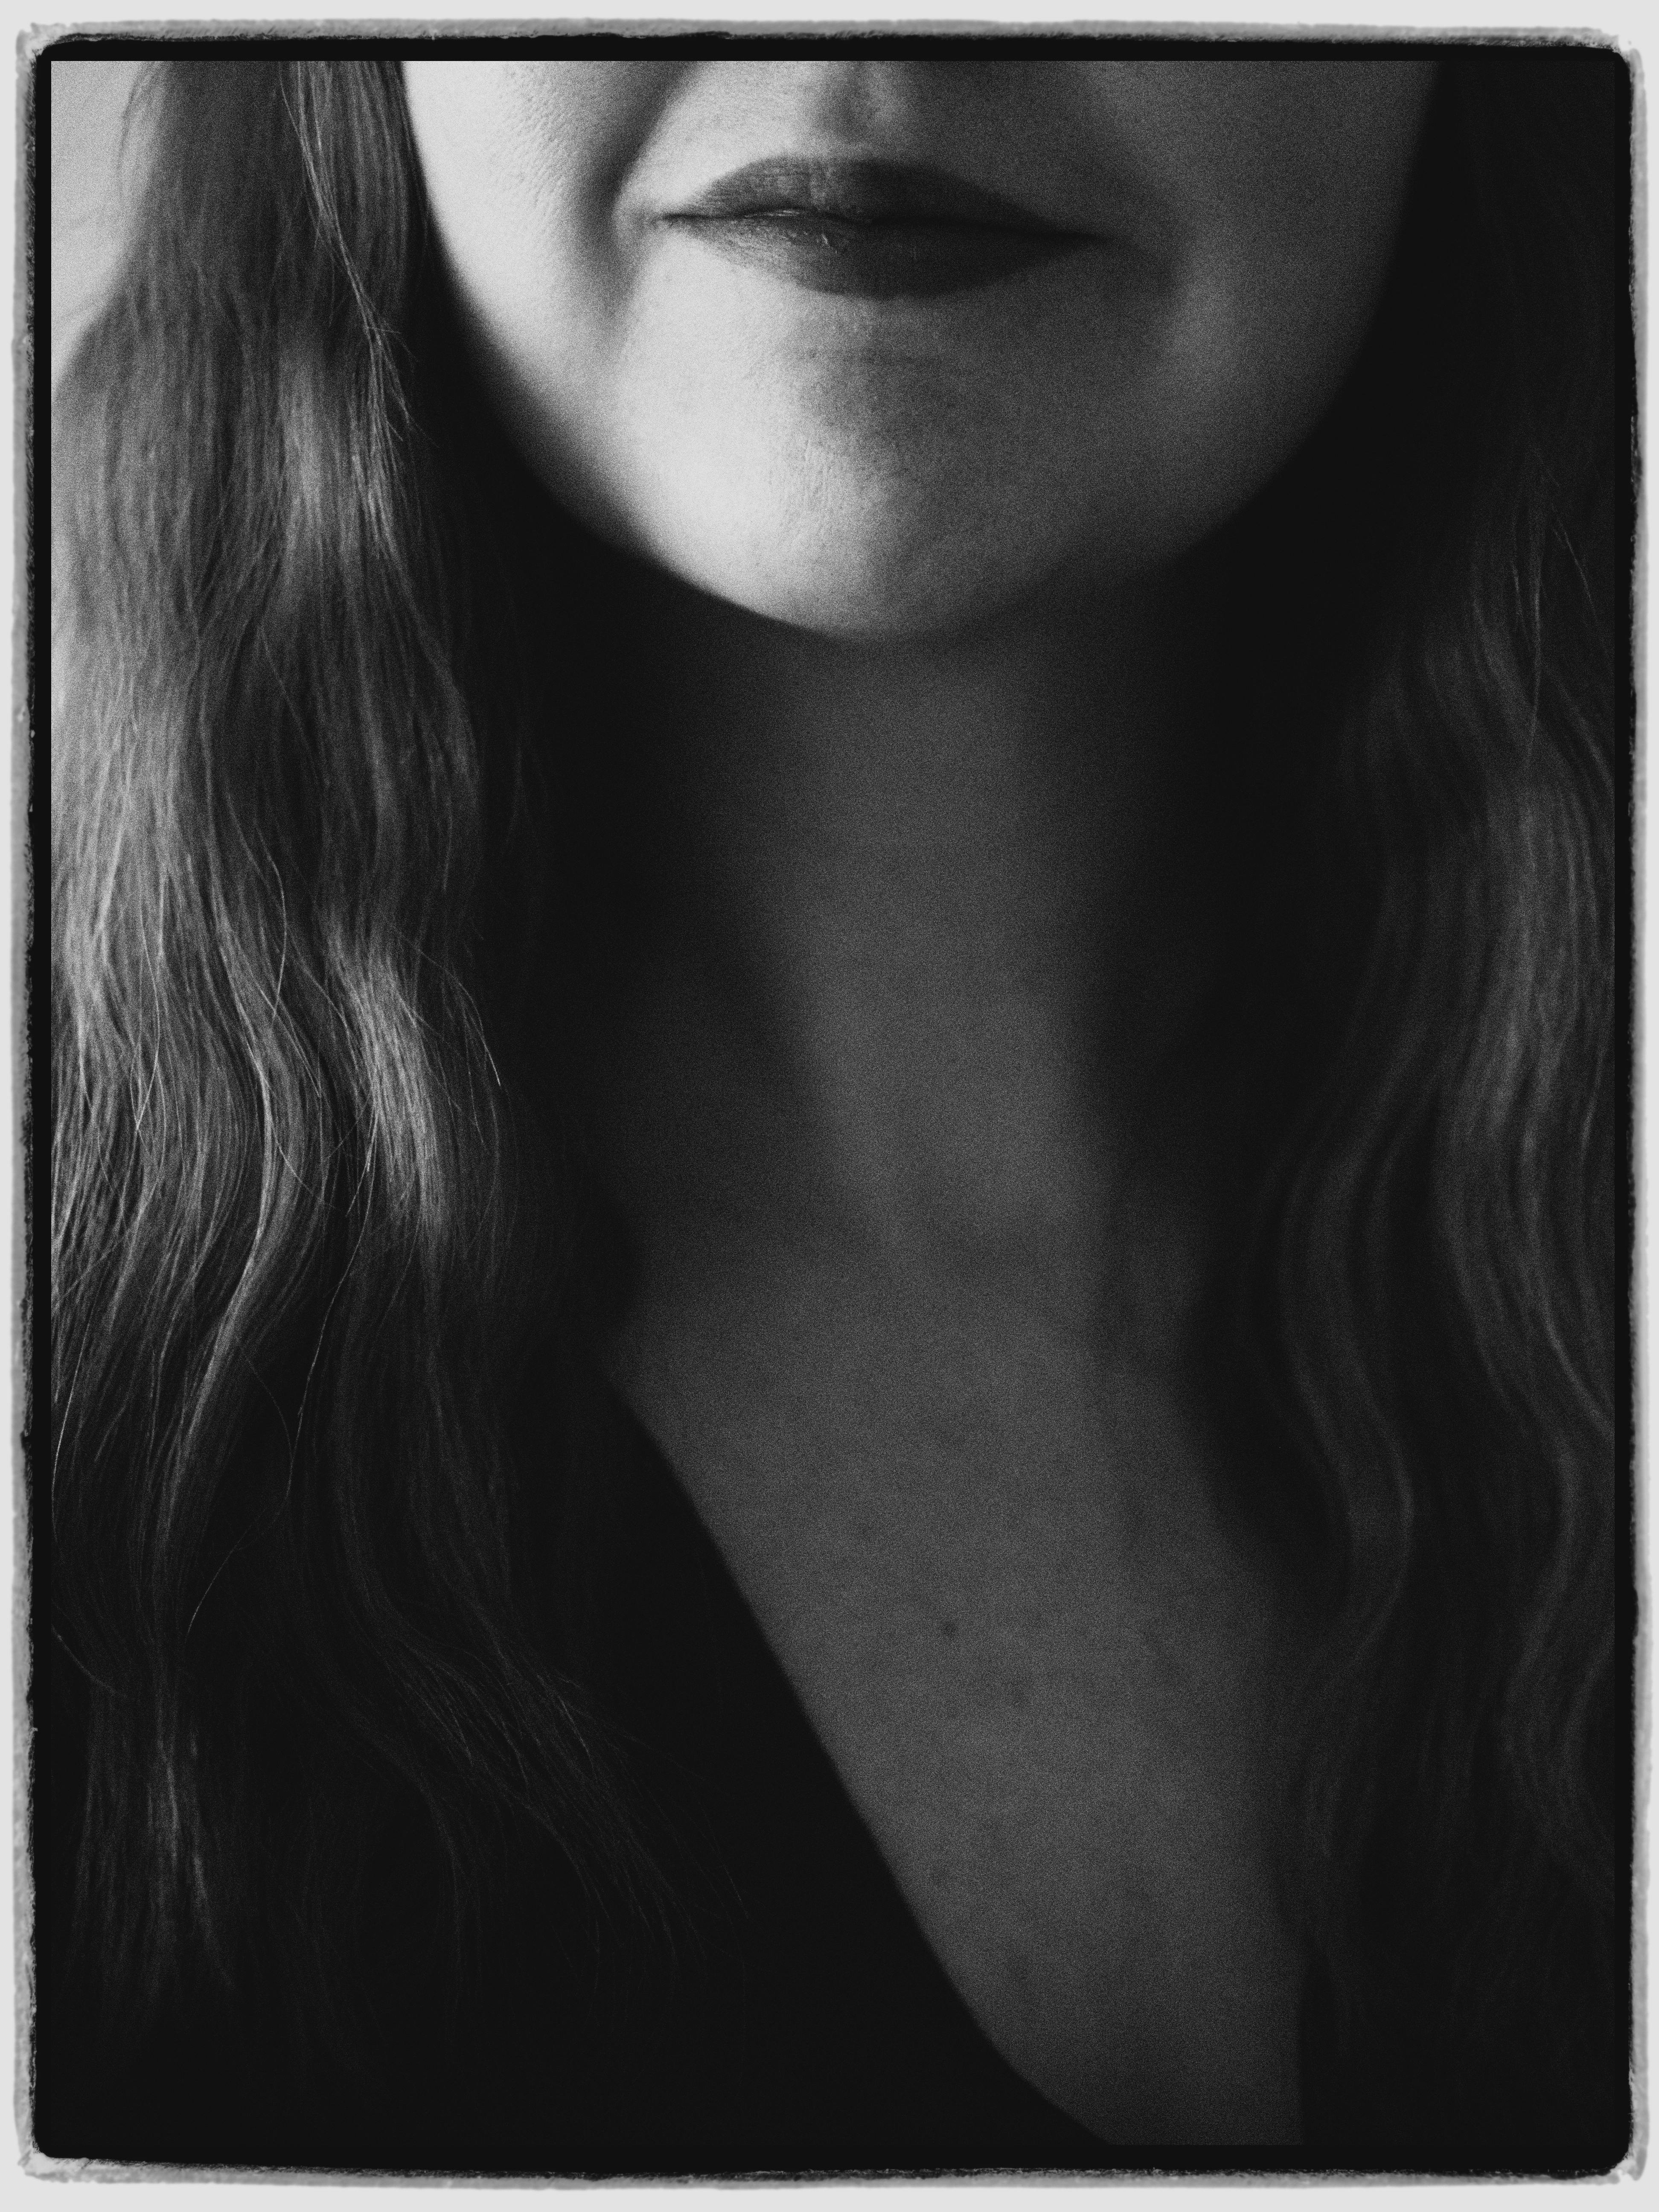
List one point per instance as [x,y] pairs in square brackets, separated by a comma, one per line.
[927,924]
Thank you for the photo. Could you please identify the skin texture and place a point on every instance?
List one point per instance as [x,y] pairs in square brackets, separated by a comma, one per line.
[874,469]
[918,1195]
[889,1087]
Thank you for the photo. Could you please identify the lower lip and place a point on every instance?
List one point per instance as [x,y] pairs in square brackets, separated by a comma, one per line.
[878,260]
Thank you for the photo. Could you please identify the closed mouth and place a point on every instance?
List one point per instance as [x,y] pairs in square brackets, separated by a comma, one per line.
[877,229]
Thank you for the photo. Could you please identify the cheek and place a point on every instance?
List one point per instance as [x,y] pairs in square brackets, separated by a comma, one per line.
[1279,138]
[522,162]
[1283,182]
[514,136]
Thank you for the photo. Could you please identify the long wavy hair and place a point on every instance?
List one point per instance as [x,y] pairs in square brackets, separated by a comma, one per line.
[319,1208]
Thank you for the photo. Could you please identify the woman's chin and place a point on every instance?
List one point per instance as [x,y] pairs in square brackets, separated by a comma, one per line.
[877,588]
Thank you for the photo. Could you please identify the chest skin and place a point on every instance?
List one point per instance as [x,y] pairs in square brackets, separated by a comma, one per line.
[999,1574]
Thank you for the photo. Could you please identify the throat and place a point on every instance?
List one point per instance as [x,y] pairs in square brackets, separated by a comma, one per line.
[927,939]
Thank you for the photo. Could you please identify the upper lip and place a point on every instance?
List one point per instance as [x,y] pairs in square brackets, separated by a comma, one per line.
[858,190]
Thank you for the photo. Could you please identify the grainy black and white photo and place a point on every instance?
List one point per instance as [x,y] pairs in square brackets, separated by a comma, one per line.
[838,1312]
